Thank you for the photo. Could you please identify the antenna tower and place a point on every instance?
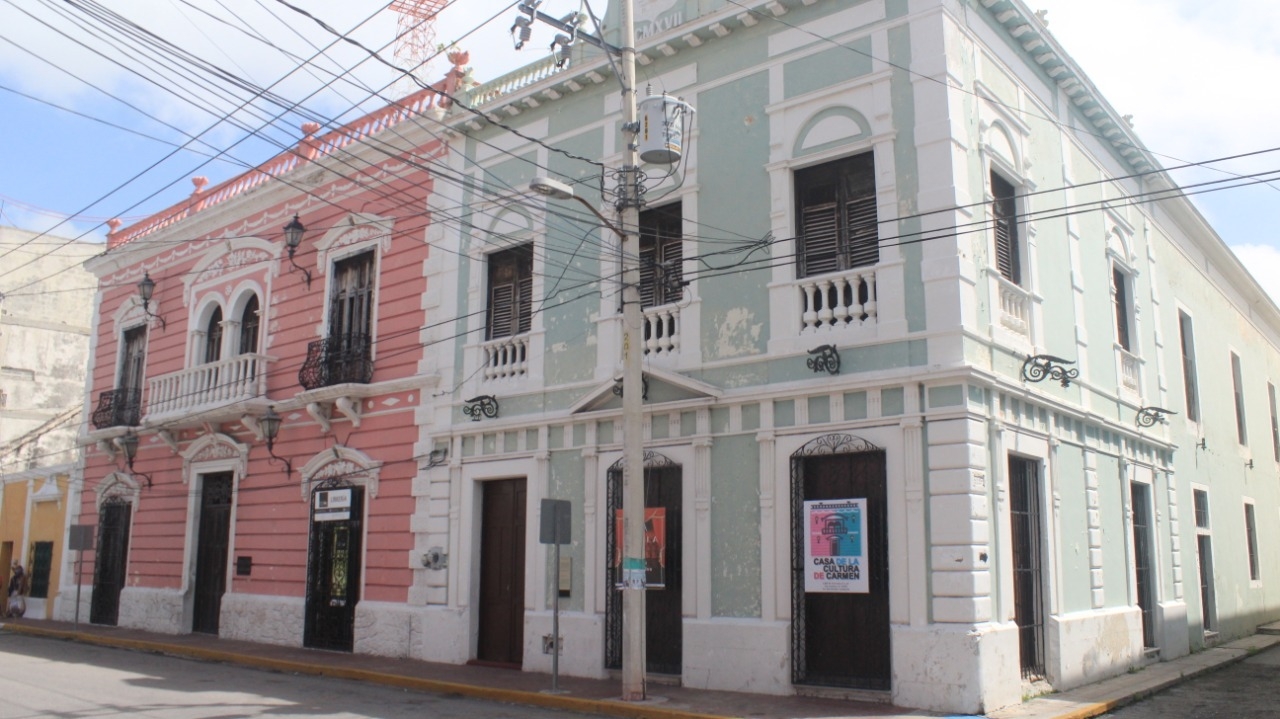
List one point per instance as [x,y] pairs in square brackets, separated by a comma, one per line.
[415,39]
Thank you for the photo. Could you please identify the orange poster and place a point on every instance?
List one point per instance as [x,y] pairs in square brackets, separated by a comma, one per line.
[655,546]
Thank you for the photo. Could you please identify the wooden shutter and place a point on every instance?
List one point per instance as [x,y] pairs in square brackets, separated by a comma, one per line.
[661,252]
[510,309]
[1004,214]
[836,208]
[1120,287]
[351,314]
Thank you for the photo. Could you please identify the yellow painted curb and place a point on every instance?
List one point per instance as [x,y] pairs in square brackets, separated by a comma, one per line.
[511,696]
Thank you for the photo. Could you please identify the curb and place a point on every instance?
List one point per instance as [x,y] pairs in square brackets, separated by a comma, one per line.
[609,707]
[1088,711]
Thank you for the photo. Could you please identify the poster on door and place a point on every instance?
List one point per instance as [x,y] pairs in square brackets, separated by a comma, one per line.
[835,550]
[655,546]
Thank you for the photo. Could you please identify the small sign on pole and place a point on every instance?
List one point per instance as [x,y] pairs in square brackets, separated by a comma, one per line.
[78,540]
[554,528]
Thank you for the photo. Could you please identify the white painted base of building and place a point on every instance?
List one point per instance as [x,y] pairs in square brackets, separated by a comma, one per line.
[739,655]
[155,610]
[581,651]
[956,667]
[262,618]
[1171,623]
[1085,647]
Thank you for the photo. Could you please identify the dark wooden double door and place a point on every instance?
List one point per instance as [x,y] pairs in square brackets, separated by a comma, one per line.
[334,553]
[663,615]
[842,639]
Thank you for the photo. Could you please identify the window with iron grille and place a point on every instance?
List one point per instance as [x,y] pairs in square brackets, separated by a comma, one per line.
[1121,296]
[1237,382]
[249,323]
[213,337]
[510,292]
[1189,369]
[1004,218]
[1251,532]
[351,309]
[661,255]
[836,212]
[1201,498]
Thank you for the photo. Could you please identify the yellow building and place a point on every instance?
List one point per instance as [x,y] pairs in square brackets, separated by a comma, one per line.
[33,512]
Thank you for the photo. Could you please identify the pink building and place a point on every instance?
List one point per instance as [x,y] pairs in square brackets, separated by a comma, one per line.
[253,440]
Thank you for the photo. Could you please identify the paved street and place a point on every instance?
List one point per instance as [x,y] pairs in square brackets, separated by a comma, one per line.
[1250,688]
[49,678]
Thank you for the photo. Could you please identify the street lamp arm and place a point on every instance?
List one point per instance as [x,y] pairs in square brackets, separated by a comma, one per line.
[557,190]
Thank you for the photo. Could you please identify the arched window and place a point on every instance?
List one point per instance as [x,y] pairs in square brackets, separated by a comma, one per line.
[213,337]
[249,327]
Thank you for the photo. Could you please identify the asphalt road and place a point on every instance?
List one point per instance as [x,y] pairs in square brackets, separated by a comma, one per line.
[1246,689]
[45,678]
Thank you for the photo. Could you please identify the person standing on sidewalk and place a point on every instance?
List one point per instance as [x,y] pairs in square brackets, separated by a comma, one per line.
[17,590]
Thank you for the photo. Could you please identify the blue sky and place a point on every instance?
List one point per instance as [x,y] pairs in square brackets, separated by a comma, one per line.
[1197,77]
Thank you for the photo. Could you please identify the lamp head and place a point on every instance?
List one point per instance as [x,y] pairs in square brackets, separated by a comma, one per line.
[129,443]
[270,423]
[146,287]
[554,189]
[293,234]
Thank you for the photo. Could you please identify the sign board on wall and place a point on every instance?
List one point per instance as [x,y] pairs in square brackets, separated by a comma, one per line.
[835,548]
[332,505]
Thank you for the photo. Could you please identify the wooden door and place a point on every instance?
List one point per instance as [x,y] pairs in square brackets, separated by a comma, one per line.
[212,545]
[333,566]
[110,561]
[842,639]
[663,604]
[502,529]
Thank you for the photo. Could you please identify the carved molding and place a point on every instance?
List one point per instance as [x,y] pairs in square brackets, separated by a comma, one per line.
[118,486]
[343,464]
[214,447]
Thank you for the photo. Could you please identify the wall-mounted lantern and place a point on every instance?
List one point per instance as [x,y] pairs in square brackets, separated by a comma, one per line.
[270,424]
[146,288]
[129,445]
[292,238]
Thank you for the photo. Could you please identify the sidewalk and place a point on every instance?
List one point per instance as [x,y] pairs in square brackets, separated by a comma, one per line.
[600,696]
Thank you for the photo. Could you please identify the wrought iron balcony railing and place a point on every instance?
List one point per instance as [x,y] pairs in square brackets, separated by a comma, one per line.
[118,408]
[337,360]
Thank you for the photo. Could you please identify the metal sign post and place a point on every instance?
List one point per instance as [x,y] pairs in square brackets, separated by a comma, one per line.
[79,539]
[555,529]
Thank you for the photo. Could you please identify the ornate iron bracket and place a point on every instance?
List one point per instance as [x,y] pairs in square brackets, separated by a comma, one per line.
[826,359]
[1037,368]
[644,387]
[486,405]
[1150,416]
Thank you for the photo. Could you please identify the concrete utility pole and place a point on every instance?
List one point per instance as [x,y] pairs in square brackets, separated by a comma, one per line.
[633,569]
[628,231]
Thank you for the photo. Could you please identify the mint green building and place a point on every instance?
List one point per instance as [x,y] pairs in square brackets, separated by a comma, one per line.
[1053,386]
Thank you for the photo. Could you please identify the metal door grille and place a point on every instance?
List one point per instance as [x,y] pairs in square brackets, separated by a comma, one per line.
[112,553]
[1140,495]
[1028,587]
